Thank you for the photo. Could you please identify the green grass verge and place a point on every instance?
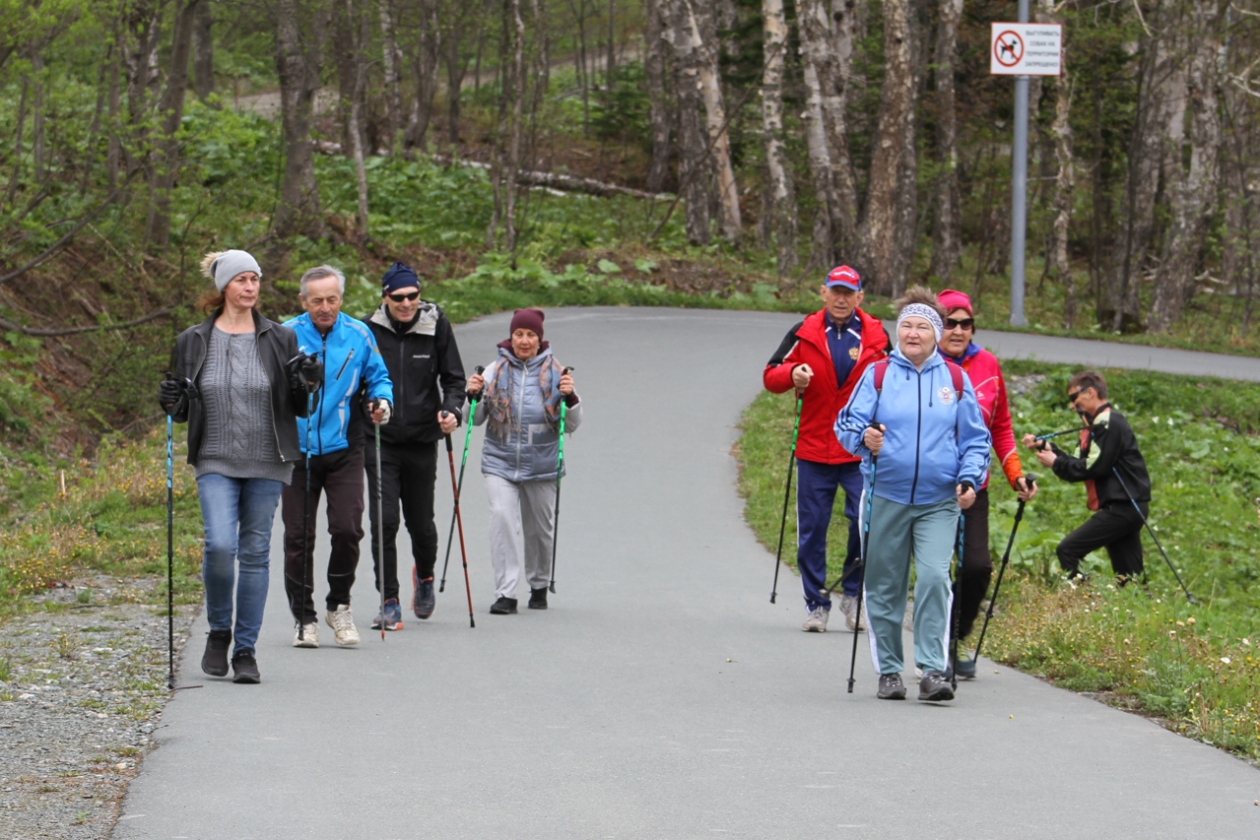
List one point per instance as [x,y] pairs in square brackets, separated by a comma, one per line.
[1197,668]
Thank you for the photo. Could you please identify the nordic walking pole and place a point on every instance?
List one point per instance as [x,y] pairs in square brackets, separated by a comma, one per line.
[463,552]
[459,485]
[953,613]
[1006,556]
[1049,435]
[170,552]
[555,528]
[1151,531]
[866,533]
[306,522]
[380,530]
[787,492]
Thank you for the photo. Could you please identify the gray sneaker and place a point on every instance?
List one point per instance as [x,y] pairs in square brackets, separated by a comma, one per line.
[934,687]
[817,621]
[891,687]
[849,603]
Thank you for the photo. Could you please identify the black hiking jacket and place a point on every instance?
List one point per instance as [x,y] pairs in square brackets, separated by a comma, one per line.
[419,356]
[1111,443]
[276,345]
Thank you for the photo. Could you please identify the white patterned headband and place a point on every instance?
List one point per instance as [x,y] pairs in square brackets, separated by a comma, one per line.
[924,311]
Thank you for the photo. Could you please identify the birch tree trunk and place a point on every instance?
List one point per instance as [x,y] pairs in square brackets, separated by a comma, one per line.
[782,195]
[946,242]
[391,62]
[297,65]
[166,162]
[1058,263]
[881,220]
[693,185]
[426,48]
[203,50]
[826,200]
[358,18]
[658,107]
[1192,189]
[705,39]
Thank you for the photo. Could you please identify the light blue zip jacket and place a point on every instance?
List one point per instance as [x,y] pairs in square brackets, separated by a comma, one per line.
[350,358]
[932,442]
[529,450]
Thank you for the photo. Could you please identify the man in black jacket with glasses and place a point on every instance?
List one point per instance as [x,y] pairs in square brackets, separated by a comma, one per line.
[1114,472]
[418,346]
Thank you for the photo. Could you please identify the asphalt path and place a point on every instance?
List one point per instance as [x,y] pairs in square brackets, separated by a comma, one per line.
[662,695]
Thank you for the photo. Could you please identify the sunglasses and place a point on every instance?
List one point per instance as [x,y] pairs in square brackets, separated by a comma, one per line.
[955,323]
[400,298]
[1072,398]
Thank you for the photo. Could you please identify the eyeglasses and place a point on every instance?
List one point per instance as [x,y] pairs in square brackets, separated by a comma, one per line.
[1072,397]
[401,297]
[965,323]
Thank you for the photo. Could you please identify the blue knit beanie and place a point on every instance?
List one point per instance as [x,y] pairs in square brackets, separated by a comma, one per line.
[399,276]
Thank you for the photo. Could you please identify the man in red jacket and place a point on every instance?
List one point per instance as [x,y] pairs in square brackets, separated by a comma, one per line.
[822,358]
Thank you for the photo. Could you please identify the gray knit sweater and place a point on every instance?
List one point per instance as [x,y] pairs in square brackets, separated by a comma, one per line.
[240,440]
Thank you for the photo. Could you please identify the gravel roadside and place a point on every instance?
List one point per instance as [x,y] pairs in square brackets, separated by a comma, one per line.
[82,686]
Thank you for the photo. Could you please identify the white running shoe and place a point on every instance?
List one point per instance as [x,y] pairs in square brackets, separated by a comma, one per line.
[817,621]
[342,623]
[308,637]
[849,604]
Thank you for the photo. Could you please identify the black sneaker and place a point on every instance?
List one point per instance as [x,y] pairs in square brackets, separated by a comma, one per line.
[965,666]
[538,599]
[246,668]
[934,687]
[504,606]
[215,660]
[891,687]
[423,600]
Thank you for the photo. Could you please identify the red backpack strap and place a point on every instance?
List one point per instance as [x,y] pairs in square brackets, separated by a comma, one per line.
[956,377]
[881,368]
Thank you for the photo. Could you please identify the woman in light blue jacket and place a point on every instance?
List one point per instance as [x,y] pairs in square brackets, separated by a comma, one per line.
[519,399]
[918,414]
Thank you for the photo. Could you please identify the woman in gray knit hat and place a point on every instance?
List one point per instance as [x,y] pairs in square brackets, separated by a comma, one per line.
[240,383]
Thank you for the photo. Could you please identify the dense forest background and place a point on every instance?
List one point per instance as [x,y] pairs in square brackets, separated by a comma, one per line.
[729,149]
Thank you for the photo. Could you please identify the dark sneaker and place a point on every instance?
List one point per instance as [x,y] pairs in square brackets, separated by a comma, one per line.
[935,687]
[392,617]
[246,668]
[891,687]
[422,601]
[965,666]
[538,599]
[503,606]
[215,660]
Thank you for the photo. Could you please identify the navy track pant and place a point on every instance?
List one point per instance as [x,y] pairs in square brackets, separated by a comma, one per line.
[816,486]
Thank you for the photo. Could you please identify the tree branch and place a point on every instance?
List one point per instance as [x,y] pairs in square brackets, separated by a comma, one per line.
[152,316]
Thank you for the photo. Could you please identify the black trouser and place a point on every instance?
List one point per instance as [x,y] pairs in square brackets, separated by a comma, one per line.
[341,475]
[972,581]
[1117,527]
[408,475]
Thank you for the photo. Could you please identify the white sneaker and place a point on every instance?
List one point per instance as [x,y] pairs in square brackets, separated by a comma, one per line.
[342,623]
[817,621]
[849,604]
[307,636]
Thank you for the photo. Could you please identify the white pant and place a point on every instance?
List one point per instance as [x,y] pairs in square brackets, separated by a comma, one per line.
[526,506]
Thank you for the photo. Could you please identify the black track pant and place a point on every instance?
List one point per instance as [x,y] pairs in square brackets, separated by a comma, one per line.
[973,578]
[1117,528]
[408,475]
[340,475]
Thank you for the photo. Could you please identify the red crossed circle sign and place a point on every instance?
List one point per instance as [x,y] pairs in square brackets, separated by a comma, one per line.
[1008,48]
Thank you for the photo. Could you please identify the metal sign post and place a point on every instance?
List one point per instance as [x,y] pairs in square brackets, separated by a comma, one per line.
[1022,50]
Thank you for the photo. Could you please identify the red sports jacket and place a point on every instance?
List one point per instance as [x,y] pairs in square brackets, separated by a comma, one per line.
[986,378]
[806,343]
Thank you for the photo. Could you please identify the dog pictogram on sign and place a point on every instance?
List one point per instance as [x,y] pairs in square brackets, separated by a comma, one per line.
[1008,48]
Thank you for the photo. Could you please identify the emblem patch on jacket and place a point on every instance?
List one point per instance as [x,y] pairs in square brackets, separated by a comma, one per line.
[854,352]
[947,395]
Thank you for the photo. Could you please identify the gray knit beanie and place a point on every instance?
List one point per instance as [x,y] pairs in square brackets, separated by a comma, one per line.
[229,264]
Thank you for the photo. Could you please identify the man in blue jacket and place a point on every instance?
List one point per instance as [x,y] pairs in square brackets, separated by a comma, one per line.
[352,362]
[925,449]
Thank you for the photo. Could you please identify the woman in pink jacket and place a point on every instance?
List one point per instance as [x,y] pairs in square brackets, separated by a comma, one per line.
[986,378]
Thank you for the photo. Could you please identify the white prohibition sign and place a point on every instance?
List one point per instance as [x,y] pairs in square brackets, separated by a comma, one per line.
[1008,48]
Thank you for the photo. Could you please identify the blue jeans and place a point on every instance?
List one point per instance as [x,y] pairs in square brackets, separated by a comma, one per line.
[815,496]
[237,514]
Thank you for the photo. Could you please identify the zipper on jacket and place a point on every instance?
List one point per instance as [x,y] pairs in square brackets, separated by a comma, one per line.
[400,397]
[918,437]
[520,416]
[319,427]
[342,369]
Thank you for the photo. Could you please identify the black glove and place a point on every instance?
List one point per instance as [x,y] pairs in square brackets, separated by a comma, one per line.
[966,485]
[173,396]
[306,373]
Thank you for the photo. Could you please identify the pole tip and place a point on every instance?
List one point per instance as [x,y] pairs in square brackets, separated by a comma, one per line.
[772,597]
[552,587]
[471,623]
[850,686]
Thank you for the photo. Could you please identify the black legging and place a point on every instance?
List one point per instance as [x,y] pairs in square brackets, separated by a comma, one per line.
[977,567]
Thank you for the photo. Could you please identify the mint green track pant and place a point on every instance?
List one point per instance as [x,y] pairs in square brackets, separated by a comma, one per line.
[898,532]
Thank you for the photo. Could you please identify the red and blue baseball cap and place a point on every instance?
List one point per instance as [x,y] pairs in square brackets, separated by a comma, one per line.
[844,277]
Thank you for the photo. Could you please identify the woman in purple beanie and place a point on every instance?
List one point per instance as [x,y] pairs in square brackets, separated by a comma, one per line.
[519,401]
